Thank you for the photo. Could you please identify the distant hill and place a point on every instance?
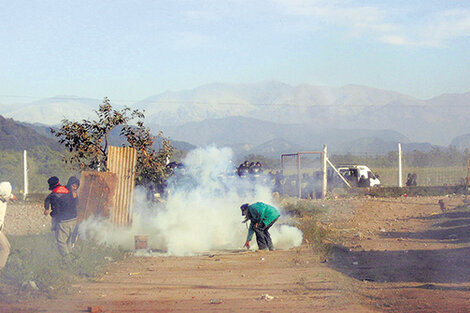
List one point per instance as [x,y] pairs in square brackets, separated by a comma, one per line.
[322,108]
[114,137]
[258,137]
[116,140]
[270,101]
[224,131]
[241,133]
[361,146]
[52,111]
[18,137]
[42,129]
[374,145]
[274,148]
[461,142]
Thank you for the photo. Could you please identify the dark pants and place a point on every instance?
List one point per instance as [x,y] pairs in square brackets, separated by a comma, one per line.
[263,238]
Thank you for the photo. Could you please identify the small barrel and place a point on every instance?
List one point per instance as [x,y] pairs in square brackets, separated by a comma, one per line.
[140,242]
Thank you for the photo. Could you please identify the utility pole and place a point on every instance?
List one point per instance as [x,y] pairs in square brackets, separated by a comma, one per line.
[400,179]
[25,171]
[325,172]
[299,176]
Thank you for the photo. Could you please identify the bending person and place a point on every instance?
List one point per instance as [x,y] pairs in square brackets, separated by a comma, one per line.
[262,216]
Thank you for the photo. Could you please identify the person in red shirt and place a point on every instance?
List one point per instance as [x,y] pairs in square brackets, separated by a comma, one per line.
[54,200]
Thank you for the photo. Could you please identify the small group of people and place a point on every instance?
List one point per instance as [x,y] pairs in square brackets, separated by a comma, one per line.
[412,180]
[247,168]
[61,204]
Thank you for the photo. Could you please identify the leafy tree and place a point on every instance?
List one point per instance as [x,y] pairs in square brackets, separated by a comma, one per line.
[88,142]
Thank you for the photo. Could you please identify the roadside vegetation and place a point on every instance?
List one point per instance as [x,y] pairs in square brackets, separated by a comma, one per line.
[306,213]
[42,162]
[35,266]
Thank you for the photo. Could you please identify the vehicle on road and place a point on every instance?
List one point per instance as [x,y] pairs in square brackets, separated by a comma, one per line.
[359,175]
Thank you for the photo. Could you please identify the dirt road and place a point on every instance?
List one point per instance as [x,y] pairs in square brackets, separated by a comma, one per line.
[229,282]
[409,254]
[393,255]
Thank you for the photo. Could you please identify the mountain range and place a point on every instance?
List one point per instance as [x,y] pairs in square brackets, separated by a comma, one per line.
[262,115]
[114,136]
[18,137]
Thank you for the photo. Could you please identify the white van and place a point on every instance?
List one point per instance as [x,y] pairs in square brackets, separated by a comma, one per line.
[359,175]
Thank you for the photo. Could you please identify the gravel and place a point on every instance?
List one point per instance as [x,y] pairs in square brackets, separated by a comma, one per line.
[26,218]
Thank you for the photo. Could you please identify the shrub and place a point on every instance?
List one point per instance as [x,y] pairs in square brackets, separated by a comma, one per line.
[36,258]
[307,214]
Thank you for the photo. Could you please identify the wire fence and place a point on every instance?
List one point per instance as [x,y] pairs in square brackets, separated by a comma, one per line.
[303,175]
[426,176]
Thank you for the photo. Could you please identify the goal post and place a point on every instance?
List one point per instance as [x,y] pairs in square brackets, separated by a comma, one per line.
[305,173]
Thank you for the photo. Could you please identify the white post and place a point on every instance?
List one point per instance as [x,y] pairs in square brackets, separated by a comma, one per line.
[25,171]
[400,179]
[325,172]
[299,176]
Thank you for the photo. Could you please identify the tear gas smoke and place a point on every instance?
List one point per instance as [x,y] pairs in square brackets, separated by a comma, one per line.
[201,212]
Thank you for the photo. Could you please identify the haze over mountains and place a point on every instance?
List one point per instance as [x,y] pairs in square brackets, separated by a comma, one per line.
[346,118]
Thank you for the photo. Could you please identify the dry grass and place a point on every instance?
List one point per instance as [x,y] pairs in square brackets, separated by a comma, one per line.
[34,258]
[427,176]
[306,212]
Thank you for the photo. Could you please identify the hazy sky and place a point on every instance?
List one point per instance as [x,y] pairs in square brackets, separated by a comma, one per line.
[129,50]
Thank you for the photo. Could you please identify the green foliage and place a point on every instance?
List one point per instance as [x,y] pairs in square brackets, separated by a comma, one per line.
[307,214]
[17,137]
[301,208]
[422,191]
[315,234]
[87,142]
[43,162]
[35,258]
[11,166]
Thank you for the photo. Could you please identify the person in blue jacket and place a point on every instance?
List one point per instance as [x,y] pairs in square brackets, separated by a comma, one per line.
[261,216]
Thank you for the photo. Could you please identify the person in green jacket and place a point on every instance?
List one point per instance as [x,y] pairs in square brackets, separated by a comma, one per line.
[261,216]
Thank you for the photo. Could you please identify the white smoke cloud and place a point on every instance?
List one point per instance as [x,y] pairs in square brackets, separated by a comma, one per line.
[201,213]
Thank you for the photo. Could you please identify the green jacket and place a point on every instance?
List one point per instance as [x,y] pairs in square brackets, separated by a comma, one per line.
[261,212]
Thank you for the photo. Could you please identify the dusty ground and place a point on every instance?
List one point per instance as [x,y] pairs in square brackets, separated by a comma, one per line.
[26,218]
[393,255]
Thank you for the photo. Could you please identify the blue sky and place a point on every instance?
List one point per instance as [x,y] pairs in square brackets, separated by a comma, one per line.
[129,50]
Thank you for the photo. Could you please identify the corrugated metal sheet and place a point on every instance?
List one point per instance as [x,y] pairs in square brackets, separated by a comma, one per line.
[122,162]
[468,173]
[96,194]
